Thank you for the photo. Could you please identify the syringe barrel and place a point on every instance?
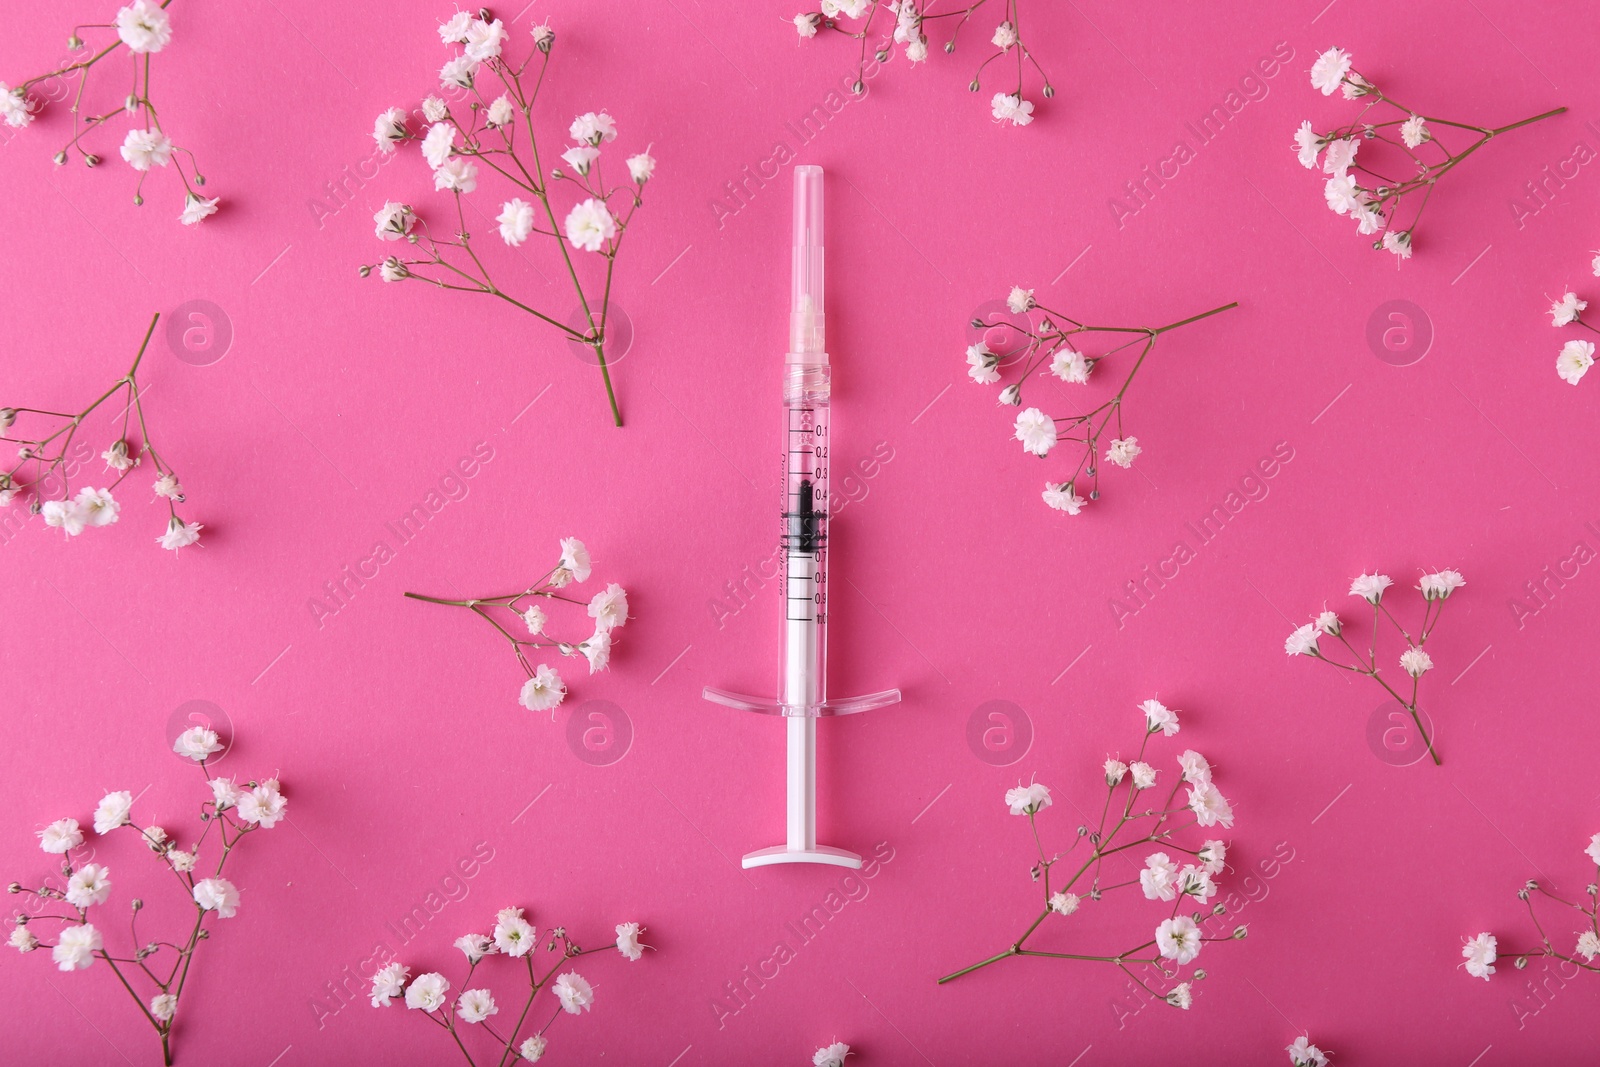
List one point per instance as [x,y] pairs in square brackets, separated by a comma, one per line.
[806,318]
[802,680]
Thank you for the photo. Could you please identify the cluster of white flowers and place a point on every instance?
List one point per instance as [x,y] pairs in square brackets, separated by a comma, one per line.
[232,811]
[1481,952]
[42,461]
[143,28]
[1368,194]
[544,690]
[1577,355]
[1140,816]
[1435,586]
[1049,342]
[512,936]
[830,1055]
[499,136]
[911,19]
[1302,1053]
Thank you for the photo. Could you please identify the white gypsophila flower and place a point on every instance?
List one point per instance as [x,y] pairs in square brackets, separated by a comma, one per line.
[533,1048]
[575,994]
[144,149]
[581,158]
[1304,1054]
[88,886]
[96,507]
[63,515]
[427,992]
[1329,70]
[982,364]
[592,127]
[1369,220]
[543,36]
[1123,451]
[197,208]
[1340,155]
[1028,799]
[806,25]
[1414,132]
[197,743]
[1010,107]
[1303,642]
[458,73]
[144,27]
[1480,953]
[182,862]
[393,221]
[575,565]
[22,939]
[1342,195]
[1210,807]
[224,793]
[117,458]
[75,947]
[1115,769]
[1416,662]
[534,618]
[476,1005]
[474,946]
[163,1006]
[641,167]
[543,690]
[1593,849]
[179,534]
[1196,768]
[1327,622]
[628,940]
[456,175]
[1574,361]
[485,40]
[609,608]
[501,112]
[1178,939]
[917,51]
[1588,945]
[1063,903]
[389,128]
[1566,309]
[589,225]
[454,29]
[14,107]
[1070,366]
[439,144]
[1181,996]
[218,895]
[1398,242]
[1214,856]
[830,1055]
[1307,145]
[516,221]
[1005,35]
[264,805]
[388,983]
[1159,877]
[1370,587]
[1440,584]
[60,837]
[434,109]
[1036,431]
[1144,775]
[513,934]
[155,839]
[112,811]
[1011,395]
[393,270]
[1019,300]
[1157,716]
[1196,882]
[597,650]
[1063,497]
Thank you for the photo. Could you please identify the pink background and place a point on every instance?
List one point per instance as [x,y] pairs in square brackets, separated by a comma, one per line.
[340,403]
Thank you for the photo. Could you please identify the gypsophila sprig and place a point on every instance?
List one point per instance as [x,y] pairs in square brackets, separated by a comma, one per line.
[830,1055]
[1402,154]
[61,914]
[1302,1053]
[522,619]
[1134,815]
[1413,660]
[141,29]
[1480,953]
[46,464]
[471,134]
[906,22]
[1577,355]
[1056,344]
[466,1016]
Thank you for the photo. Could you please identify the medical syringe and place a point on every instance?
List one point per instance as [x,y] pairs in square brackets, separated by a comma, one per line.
[802,681]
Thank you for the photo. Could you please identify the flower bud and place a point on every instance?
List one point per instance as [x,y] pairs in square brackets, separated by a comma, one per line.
[858,88]
[366,269]
[1049,90]
[15,887]
[7,417]
[973,87]
[882,55]
[949,47]
[91,160]
[199,179]
[1521,963]
[74,43]
[137,903]
[1200,975]
[138,200]
[60,158]
[131,103]
[1219,909]
[1241,932]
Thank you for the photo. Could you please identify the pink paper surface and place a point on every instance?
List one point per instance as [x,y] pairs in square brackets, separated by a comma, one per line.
[340,403]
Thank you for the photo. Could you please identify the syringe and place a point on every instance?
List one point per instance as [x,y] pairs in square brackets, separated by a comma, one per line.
[802,682]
